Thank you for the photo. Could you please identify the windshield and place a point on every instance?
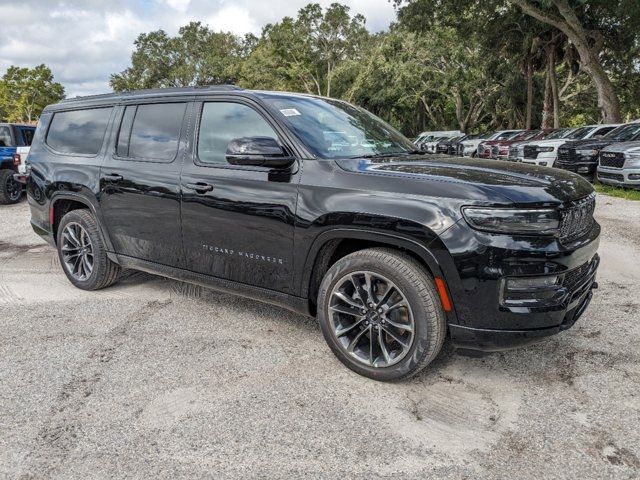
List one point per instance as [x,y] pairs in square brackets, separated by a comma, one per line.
[336,129]
[563,133]
[505,135]
[624,133]
[529,135]
[580,133]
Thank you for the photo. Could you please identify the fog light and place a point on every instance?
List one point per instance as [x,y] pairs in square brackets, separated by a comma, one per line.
[543,164]
[634,176]
[532,283]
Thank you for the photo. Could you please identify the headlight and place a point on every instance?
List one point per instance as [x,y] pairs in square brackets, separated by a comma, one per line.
[632,160]
[511,220]
[587,153]
[546,149]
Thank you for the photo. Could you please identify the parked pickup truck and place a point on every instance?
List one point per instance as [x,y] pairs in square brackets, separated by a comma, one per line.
[12,137]
[544,152]
[619,164]
[582,156]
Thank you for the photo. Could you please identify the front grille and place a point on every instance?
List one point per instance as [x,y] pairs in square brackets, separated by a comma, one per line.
[577,276]
[577,220]
[494,151]
[611,159]
[566,155]
[611,176]
[530,152]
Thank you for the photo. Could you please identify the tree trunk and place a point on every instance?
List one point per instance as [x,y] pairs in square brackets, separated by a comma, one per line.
[547,108]
[529,110]
[571,26]
[553,81]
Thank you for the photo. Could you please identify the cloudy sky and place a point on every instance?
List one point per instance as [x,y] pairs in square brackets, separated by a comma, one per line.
[84,41]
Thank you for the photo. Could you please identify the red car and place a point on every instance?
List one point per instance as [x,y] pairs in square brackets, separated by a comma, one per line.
[499,149]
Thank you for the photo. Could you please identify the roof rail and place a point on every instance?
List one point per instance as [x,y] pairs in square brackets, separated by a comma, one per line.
[153,91]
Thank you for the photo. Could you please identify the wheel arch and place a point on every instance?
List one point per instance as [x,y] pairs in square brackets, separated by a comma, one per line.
[334,244]
[64,202]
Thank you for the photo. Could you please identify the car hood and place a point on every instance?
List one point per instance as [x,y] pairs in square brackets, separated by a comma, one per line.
[624,147]
[589,143]
[547,143]
[490,180]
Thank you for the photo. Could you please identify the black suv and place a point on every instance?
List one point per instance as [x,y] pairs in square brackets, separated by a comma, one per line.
[320,207]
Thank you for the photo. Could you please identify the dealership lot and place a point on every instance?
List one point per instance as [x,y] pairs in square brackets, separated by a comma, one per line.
[157,378]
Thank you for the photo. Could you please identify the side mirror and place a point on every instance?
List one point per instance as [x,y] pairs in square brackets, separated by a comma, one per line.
[257,151]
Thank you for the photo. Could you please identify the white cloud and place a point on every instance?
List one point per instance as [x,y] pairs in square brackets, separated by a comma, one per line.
[84,41]
[234,19]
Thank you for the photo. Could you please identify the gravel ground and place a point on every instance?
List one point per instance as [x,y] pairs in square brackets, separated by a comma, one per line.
[158,379]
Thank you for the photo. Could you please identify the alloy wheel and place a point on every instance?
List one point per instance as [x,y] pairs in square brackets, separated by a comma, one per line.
[371,319]
[77,251]
[13,189]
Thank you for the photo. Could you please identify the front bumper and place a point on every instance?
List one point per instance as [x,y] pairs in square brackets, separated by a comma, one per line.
[492,340]
[626,177]
[585,166]
[476,272]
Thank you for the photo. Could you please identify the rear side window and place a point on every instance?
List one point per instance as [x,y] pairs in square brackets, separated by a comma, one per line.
[151,131]
[27,136]
[224,121]
[5,137]
[79,132]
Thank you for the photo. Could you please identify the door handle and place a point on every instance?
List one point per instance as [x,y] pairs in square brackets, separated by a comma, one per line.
[113,177]
[199,187]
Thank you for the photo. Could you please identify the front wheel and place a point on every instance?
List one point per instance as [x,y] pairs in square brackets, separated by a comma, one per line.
[380,314]
[10,189]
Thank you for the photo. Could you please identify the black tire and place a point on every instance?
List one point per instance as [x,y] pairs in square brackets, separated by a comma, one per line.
[417,287]
[10,190]
[104,272]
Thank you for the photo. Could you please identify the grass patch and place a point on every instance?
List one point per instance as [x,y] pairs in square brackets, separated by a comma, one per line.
[626,193]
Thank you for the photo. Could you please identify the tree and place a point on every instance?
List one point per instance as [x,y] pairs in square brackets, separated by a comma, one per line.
[586,25]
[196,56]
[24,92]
[304,53]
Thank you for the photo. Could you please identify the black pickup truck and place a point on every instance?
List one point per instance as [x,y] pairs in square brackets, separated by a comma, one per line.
[318,206]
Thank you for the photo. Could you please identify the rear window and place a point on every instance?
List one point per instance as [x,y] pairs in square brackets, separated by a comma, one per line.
[151,131]
[27,136]
[79,132]
[5,136]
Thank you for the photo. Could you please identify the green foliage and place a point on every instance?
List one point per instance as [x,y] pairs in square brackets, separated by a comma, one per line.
[196,56]
[24,92]
[304,53]
[472,65]
[626,193]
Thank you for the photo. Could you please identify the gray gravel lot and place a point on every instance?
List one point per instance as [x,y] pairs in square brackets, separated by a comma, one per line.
[157,379]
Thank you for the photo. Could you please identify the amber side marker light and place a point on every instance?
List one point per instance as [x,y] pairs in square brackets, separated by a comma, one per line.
[444,296]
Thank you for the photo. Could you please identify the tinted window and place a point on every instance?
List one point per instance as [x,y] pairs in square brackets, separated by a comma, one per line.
[27,136]
[5,137]
[603,131]
[222,122]
[154,132]
[335,129]
[79,131]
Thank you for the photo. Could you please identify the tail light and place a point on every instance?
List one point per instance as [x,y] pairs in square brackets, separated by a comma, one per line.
[17,159]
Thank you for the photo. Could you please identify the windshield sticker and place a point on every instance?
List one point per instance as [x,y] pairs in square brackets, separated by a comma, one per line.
[289,112]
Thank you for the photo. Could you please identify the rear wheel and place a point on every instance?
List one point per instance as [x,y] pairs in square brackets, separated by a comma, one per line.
[380,314]
[82,253]
[10,189]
